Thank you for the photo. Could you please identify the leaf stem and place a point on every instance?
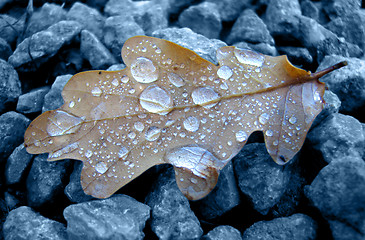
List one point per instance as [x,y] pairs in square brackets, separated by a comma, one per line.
[323,72]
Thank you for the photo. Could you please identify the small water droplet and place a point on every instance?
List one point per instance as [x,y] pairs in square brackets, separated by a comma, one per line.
[72,104]
[123,151]
[139,126]
[101,167]
[241,136]
[144,71]
[132,135]
[203,96]
[124,79]
[115,82]
[156,100]
[293,120]
[269,133]
[224,72]
[152,133]
[191,124]
[88,153]
[263,118]
[96,92]
[175,79]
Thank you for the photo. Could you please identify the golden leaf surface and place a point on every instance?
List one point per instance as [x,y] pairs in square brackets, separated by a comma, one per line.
[171,106]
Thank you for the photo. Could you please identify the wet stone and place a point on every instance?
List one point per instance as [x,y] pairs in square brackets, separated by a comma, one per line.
[32,102]
[10,86]
[23,223]
[5,49]
[10,28]
[17,165]
[171,216]
[53,99]
[118,217]
[73,190]
[223,232]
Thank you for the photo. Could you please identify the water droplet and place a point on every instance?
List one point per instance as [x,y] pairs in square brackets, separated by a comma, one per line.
[275,143]
[269,133]
[224,86]
[101,167]
[63,123]
[132,135]
[224,72]
[249,57]
[96,92]
[203,96]
[175,79]
[241,136]
[293,120]
[72,104]
[144,71]
[115,82]
[88,153]
[152,133]
[191,124]
[139,126]
[123,151]
[263,118]
[124,79]
[156,100]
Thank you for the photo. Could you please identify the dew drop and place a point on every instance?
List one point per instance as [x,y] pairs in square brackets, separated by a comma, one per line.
[224,72]
[143,70]
[152,133]
[101,167]
[293,120]
[63,123]
[88,153]
[132,135]
[249,57]
[203,96]
[72,104]
[96,92]
[124,79]
[156,100]
[269,133]
[115,82]
[263,118]
[123,151]
[175,79]
[139,126]
[241,136]
[191,124]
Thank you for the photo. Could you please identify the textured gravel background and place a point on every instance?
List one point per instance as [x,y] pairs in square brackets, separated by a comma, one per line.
[319,195]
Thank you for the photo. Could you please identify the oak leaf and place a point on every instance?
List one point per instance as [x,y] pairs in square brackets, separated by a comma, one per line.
[171,106]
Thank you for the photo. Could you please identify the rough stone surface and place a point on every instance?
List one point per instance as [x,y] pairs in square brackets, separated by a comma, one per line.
[297,55]
[5,49]
[12,129]
[10,86]
[338,136]
[118,217]
[73,190]
[348,83]
[10,28]
[171,216]
[32,102]
[17,165]
[23,224]
[89,18]
[203,18]
[45,181]
[43,45]
[297,226]
[309,9]
[203,46]
[338,192]
[117,30]
[259,177]
[95,52]
[249,28]
[223,232]
[53,99]
[332,105]
[335,8]
[230,9]
[224,196]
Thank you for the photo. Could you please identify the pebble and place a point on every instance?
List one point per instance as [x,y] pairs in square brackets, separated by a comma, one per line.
[17,165]
[10,86]
[32,101]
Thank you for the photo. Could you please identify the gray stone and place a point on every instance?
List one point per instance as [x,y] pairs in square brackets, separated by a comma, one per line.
[297,55]
[230,9]
[263,48]
[351,27]
[12,129]
[44,17]
[118,217]
[43,45]
[89,18]
[203,19]
[23,224]
[204,47]
[309,9]
[338,192]
[152,19]
[45,181]
[73,190]
[17,165]
[53,99]
[223,197]
[10,27]
[338,136]
[348,83]
[332,105]
[95,52]
[297,226]
[10,87]
[32,102]
[262,180]
[171,216]
[223,232]
[5,49]
[249,28]
[116,67]
[117,30]
[335,8]
[11,201]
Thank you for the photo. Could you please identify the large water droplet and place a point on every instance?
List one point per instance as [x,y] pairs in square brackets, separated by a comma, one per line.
[152,133]
[249,57]
[241,136]
[204,96]
[263,118]
[175,79]
[191,124]
[63,123]
[96,92]
[224,72]
[139,126]
[101,167]
[144,71]
[156,100]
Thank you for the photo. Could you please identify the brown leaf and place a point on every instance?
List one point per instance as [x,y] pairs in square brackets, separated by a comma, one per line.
[171,106]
